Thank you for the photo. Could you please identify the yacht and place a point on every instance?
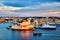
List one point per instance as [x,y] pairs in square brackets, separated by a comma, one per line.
[25,25]
[47,26]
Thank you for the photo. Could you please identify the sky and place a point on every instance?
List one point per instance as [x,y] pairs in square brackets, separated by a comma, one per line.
[30,8]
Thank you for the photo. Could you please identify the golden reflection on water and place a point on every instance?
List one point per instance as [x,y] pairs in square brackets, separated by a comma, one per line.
[25,35]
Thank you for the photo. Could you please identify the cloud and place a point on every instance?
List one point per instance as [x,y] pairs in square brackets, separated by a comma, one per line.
[34,7]
[4,7]
[43,6]
[44,9]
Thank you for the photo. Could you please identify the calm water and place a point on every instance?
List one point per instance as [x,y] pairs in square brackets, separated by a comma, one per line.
[28,35]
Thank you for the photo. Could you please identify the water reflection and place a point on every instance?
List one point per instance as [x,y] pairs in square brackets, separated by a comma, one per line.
[13,35]
[25,35]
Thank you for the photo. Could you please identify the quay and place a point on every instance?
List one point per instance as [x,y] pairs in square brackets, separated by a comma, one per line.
[37,20]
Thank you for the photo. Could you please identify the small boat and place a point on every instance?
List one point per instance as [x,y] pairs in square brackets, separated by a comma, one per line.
[9,27]
[36,33]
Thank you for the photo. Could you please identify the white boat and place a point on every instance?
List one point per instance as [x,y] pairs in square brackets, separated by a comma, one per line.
[48,26]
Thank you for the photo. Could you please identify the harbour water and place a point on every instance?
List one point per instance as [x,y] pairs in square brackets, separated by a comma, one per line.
[28,35]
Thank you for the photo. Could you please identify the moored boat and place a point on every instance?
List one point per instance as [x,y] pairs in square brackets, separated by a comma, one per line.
[47,26]
[25,25]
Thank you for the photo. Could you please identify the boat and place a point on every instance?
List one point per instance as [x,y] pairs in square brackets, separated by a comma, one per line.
[30,29]
[37,33]
[19,28]
[47,26]
[22,26]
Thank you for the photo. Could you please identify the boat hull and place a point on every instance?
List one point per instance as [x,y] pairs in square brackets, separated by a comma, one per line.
[23,29]
[20,29]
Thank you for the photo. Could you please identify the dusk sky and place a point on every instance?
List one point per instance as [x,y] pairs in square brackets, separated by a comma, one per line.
[30,8]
